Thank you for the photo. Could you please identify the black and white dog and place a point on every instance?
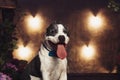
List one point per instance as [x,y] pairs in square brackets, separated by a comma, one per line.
[51,62]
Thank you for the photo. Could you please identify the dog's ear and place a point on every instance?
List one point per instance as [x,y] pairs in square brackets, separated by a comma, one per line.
[57,22]
[67,29]
[68,32]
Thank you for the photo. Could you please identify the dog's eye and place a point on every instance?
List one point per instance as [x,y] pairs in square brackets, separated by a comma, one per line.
[52,31]
[65,31]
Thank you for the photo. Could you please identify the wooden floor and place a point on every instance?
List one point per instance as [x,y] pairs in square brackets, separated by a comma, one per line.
[93,76]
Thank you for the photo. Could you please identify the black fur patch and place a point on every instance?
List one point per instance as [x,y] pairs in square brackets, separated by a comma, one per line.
[52,30]
[33,68]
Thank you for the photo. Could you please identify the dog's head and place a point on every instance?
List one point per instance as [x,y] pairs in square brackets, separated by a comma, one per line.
[56,38]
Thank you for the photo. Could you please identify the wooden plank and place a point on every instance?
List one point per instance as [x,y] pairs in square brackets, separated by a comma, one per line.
[0,15]
[8,3]
[93,76]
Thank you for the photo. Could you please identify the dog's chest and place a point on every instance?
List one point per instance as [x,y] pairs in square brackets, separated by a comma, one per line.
[52,66]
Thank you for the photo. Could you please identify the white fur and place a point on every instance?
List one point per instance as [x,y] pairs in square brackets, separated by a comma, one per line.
[34,78]
[53,68]
[54,39]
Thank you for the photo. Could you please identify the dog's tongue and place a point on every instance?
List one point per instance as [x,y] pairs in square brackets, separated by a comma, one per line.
[61,52]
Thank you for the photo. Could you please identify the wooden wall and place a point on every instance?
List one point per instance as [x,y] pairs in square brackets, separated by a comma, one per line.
[8,3]
[0,15]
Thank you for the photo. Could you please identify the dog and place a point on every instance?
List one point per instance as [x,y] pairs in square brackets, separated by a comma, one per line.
[51,62]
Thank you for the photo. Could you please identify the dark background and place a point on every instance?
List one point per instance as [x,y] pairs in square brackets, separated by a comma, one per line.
[70,13]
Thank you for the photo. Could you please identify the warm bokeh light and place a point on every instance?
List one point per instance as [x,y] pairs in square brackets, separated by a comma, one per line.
[88,52]
[95,24]
[95,21]
[24,53]
[34,24]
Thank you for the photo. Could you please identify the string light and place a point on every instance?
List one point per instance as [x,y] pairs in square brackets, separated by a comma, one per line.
[95,21]
[87,52]
[23,53]
[34,24]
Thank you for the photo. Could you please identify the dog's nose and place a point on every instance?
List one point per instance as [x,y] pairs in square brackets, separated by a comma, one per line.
[61,39]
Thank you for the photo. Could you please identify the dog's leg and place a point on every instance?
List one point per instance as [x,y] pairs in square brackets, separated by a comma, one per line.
[34,78]
[46,76]
[63,76]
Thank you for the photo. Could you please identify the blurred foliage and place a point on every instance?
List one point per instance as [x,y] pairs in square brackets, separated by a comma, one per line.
[114,5]
[7,41]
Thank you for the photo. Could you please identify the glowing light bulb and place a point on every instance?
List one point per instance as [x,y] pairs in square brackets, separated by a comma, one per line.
[88,52]
[23,53]
[95,21]
[34,23]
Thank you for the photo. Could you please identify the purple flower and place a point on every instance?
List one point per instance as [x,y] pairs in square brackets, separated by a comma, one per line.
[11,66]
[4,77]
